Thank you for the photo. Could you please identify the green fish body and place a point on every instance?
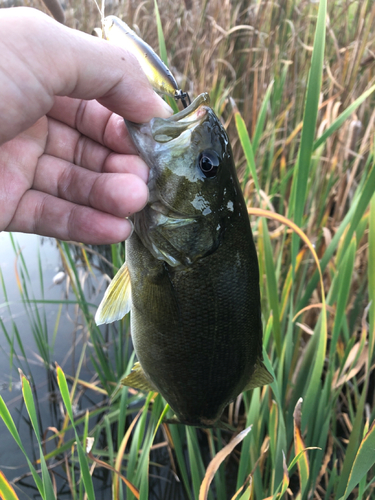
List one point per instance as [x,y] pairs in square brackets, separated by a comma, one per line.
[191,277]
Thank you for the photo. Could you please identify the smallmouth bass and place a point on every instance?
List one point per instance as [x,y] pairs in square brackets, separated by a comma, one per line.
[191,277]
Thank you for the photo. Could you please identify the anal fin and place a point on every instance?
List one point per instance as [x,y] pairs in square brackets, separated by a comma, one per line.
[138,380]
[261,376]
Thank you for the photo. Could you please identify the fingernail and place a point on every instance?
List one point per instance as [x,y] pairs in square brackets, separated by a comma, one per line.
[132,228]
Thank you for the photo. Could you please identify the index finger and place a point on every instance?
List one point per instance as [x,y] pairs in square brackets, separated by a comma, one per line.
[95,121]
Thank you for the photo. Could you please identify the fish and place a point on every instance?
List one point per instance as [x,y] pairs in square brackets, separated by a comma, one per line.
[191,275]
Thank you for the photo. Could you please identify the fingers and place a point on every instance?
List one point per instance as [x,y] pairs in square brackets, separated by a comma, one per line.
[46,215]
[57,198]
[65,62]
[119,194]
[68,144]
[89,118]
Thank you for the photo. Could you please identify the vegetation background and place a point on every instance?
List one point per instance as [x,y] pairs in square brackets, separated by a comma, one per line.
[293,82]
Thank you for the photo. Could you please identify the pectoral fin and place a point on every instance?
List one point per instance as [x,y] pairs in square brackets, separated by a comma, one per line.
[261,376]
[138,380]
[117,298]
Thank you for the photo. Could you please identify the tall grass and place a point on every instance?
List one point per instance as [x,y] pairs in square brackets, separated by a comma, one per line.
[293,82]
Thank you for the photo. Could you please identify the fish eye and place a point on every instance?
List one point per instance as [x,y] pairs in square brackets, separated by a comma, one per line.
[209,163]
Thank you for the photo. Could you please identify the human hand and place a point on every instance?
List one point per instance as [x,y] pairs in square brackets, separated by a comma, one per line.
[68,168]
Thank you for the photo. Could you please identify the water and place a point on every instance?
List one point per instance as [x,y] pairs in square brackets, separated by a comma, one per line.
[30,245]
[12,462]
[63,347]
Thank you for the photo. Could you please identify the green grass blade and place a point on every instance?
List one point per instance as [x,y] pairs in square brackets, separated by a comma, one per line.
[353,446]
[364,460]
[162,46]
[344,277]
[8,421]
[6,490]
[85,471]
[178,444]
[142,478]
[195,460]
[314,384]
[30,406]
[341,119]
[247,149]
[261,118]
[139,434]
[122,416]
[273,432]
[7,418]
[116,257]
[281,446]
[371,278]
[300,177]
[163,51]
[272,288]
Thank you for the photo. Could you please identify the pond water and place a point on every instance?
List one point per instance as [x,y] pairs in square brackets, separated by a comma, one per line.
[63,347]
[31,246]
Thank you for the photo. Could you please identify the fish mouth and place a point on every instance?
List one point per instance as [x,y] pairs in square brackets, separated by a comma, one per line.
[164,130]
[167,129]
[201,100]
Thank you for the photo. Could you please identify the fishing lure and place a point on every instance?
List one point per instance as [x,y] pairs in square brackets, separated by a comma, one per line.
[118,32]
